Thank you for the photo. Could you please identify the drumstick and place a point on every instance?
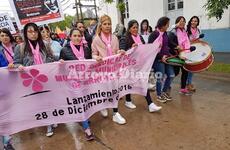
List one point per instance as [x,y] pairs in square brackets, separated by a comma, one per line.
[192,48]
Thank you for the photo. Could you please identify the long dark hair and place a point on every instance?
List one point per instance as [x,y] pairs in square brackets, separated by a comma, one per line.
[190,23]
[142,22]
[73,29]
[44,27]
[39,40]
[6,31]
[128,37]
[179,18]
[162,22]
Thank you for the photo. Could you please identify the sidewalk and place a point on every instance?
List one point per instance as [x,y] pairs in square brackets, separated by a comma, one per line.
[215,76]
[222,57]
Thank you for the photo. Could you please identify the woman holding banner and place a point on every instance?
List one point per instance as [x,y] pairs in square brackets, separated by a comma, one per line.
[133,39]
[105,44]
[33,52]
[6,47]
[6,57]
[77,50]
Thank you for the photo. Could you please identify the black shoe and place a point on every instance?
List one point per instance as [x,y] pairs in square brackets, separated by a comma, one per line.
[167,96]
[9,146]
[161,99]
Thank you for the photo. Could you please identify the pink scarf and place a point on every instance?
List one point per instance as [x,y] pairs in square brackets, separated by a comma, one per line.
[36,54]
[78,53]
[83,40]
[183,39]
[137,39]
[159,39]
[9,53]
[145,33]
[195,33]
[108,42]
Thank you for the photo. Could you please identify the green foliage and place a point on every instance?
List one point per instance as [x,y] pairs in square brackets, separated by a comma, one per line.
[216,8]
[121,6]
[220,67]
[63,24]
[109,1]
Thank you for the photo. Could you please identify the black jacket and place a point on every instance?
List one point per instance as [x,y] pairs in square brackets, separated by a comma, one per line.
[67,53]
[127,42]
[173,41]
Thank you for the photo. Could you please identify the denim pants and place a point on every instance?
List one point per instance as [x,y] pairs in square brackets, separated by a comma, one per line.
[85,124]
[189,79]
[161,69]
[6,139]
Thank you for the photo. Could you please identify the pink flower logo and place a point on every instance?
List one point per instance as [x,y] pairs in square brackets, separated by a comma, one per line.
[35,78]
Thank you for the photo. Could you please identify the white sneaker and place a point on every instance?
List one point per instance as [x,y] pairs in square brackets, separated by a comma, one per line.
[49,131]
[49,134]
[150,85]
[154,108]
[55,125]
[130,105]
[104,112]
[118,118]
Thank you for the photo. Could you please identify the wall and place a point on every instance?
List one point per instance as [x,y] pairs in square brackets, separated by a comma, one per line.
[146,9]
[195,7]
[219,39]
[109,9]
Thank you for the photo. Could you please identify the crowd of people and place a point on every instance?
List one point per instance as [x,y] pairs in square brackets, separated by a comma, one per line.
[38,45]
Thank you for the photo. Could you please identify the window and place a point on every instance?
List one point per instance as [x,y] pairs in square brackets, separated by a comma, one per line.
[175,4]
[179,4]
[171,4]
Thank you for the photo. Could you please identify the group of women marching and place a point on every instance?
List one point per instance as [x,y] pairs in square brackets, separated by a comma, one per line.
[39,48]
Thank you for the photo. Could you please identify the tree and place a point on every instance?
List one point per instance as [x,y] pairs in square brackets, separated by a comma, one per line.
[216,8]
[63,24]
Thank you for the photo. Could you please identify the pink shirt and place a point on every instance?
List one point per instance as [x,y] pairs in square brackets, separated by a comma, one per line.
[99,47]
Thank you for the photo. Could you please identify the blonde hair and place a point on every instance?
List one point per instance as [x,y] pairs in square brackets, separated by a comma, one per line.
[101,20]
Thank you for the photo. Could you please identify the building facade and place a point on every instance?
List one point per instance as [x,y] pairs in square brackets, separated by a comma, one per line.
[216,33]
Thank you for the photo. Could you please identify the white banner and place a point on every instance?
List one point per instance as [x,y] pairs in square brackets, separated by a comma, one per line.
[6,22]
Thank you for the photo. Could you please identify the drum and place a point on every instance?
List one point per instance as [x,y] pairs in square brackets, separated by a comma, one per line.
[174,61]
[198,60]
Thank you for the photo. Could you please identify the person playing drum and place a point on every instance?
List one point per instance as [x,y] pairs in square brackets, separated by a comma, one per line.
[179,42]
[161,68]
[193,34]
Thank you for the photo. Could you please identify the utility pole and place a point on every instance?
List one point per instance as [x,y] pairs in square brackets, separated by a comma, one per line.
[95,7]
[80,6]
[76,5]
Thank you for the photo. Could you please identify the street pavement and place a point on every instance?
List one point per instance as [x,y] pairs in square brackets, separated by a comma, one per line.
[197,122]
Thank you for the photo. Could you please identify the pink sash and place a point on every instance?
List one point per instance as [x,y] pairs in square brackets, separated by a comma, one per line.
[183,39]
[78,53]
[84,40]
[8,53]
[36,53]
[107,42]
[195,33]
[137,39]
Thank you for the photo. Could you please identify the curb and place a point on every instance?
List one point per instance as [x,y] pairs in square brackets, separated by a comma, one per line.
[215,76]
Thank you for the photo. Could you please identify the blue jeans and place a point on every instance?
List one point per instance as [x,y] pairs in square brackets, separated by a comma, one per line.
[189,79]
[85,124]
[6,139]
[160,70]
